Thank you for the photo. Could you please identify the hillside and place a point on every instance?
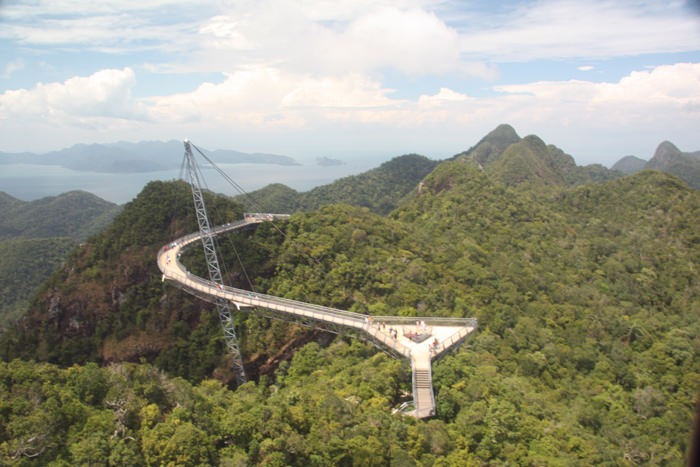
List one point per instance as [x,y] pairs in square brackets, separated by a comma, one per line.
[587,351]
[378,189]
[490,147]
[669,159]
[502,153]
[36,236]
[25,263]
[514,160]
[76,214]
[629,164]
[684,165]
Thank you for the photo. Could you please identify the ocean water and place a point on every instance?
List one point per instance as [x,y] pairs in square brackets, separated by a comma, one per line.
[29,182]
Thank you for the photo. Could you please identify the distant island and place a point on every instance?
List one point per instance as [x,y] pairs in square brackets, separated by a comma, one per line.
[123,157]
[327,161]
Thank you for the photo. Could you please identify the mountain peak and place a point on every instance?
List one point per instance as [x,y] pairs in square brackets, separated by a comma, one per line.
[665,155]
[666,150]
[491,146]
[503,132]
[684,165]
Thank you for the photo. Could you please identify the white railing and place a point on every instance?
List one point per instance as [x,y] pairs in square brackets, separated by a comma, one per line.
[374,326]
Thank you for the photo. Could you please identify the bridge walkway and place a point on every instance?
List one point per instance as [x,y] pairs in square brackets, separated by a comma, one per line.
[419,339]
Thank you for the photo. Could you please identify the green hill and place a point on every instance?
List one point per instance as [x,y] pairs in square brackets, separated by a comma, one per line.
[378,189]
[587,351]
[491,146]
[76,214]
[513,160]
[106,302]
[684,165]
[669,159]
[25,263]
[36,236]
[629,164]
[276,198]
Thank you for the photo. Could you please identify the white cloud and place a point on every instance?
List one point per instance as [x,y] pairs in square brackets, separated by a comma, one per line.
[354,91]
[257,95]
[566,29]
[586,68]
[445,96]
[415,37]
[113,26]
[11,67]
[356,109]
[665,92]
[104,94]
[414,42]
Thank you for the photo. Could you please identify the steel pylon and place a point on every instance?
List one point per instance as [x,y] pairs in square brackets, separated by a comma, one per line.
[223,307]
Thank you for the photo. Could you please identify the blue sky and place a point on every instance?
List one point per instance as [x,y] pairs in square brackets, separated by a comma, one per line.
[351,79]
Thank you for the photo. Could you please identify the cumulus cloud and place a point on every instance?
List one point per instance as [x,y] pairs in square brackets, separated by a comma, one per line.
[270,101]
[106,93]
[353,91]
[413,41]
[415,37]
[445,96]
[247,98]
[664,91]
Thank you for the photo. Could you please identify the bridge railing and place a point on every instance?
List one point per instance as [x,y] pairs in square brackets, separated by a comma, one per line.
[387,340]
[301,309]
[428,320]
[374,326]
[250,298]
[452,340]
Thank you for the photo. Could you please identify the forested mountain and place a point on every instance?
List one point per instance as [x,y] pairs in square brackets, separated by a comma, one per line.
[514,160]
[491,146]
[629,165]
[36,236]
[667,158]
[76,214]
[378,189]
[684,165]
[502,152]
[587,351]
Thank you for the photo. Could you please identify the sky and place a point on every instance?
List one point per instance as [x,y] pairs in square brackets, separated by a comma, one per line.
[351,79]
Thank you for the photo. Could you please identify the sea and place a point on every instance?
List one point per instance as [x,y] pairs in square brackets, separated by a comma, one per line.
[29,182]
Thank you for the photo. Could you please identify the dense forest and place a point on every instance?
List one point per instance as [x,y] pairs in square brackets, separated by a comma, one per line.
[76,214]
[35,238]
[584,284]
[378,189]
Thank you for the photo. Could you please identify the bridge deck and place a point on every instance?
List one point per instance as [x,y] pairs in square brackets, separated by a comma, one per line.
[419,339]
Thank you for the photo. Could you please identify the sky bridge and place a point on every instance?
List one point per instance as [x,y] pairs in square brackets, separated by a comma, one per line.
[420,339]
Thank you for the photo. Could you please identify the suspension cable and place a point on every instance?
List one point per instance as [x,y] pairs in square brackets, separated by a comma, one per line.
[213,208]
[251,200]
[237,187]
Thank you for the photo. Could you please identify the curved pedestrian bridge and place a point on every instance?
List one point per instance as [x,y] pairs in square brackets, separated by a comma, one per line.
[420,339]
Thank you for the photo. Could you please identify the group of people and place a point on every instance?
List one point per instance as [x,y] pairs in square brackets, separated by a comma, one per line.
[417,336]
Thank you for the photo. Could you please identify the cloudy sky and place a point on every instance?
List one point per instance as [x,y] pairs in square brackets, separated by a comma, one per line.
[351,78]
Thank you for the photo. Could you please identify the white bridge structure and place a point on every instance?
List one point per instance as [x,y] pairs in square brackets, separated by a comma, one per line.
[420,339]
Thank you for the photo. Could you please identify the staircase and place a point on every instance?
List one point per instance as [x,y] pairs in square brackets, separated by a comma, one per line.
[423,392]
